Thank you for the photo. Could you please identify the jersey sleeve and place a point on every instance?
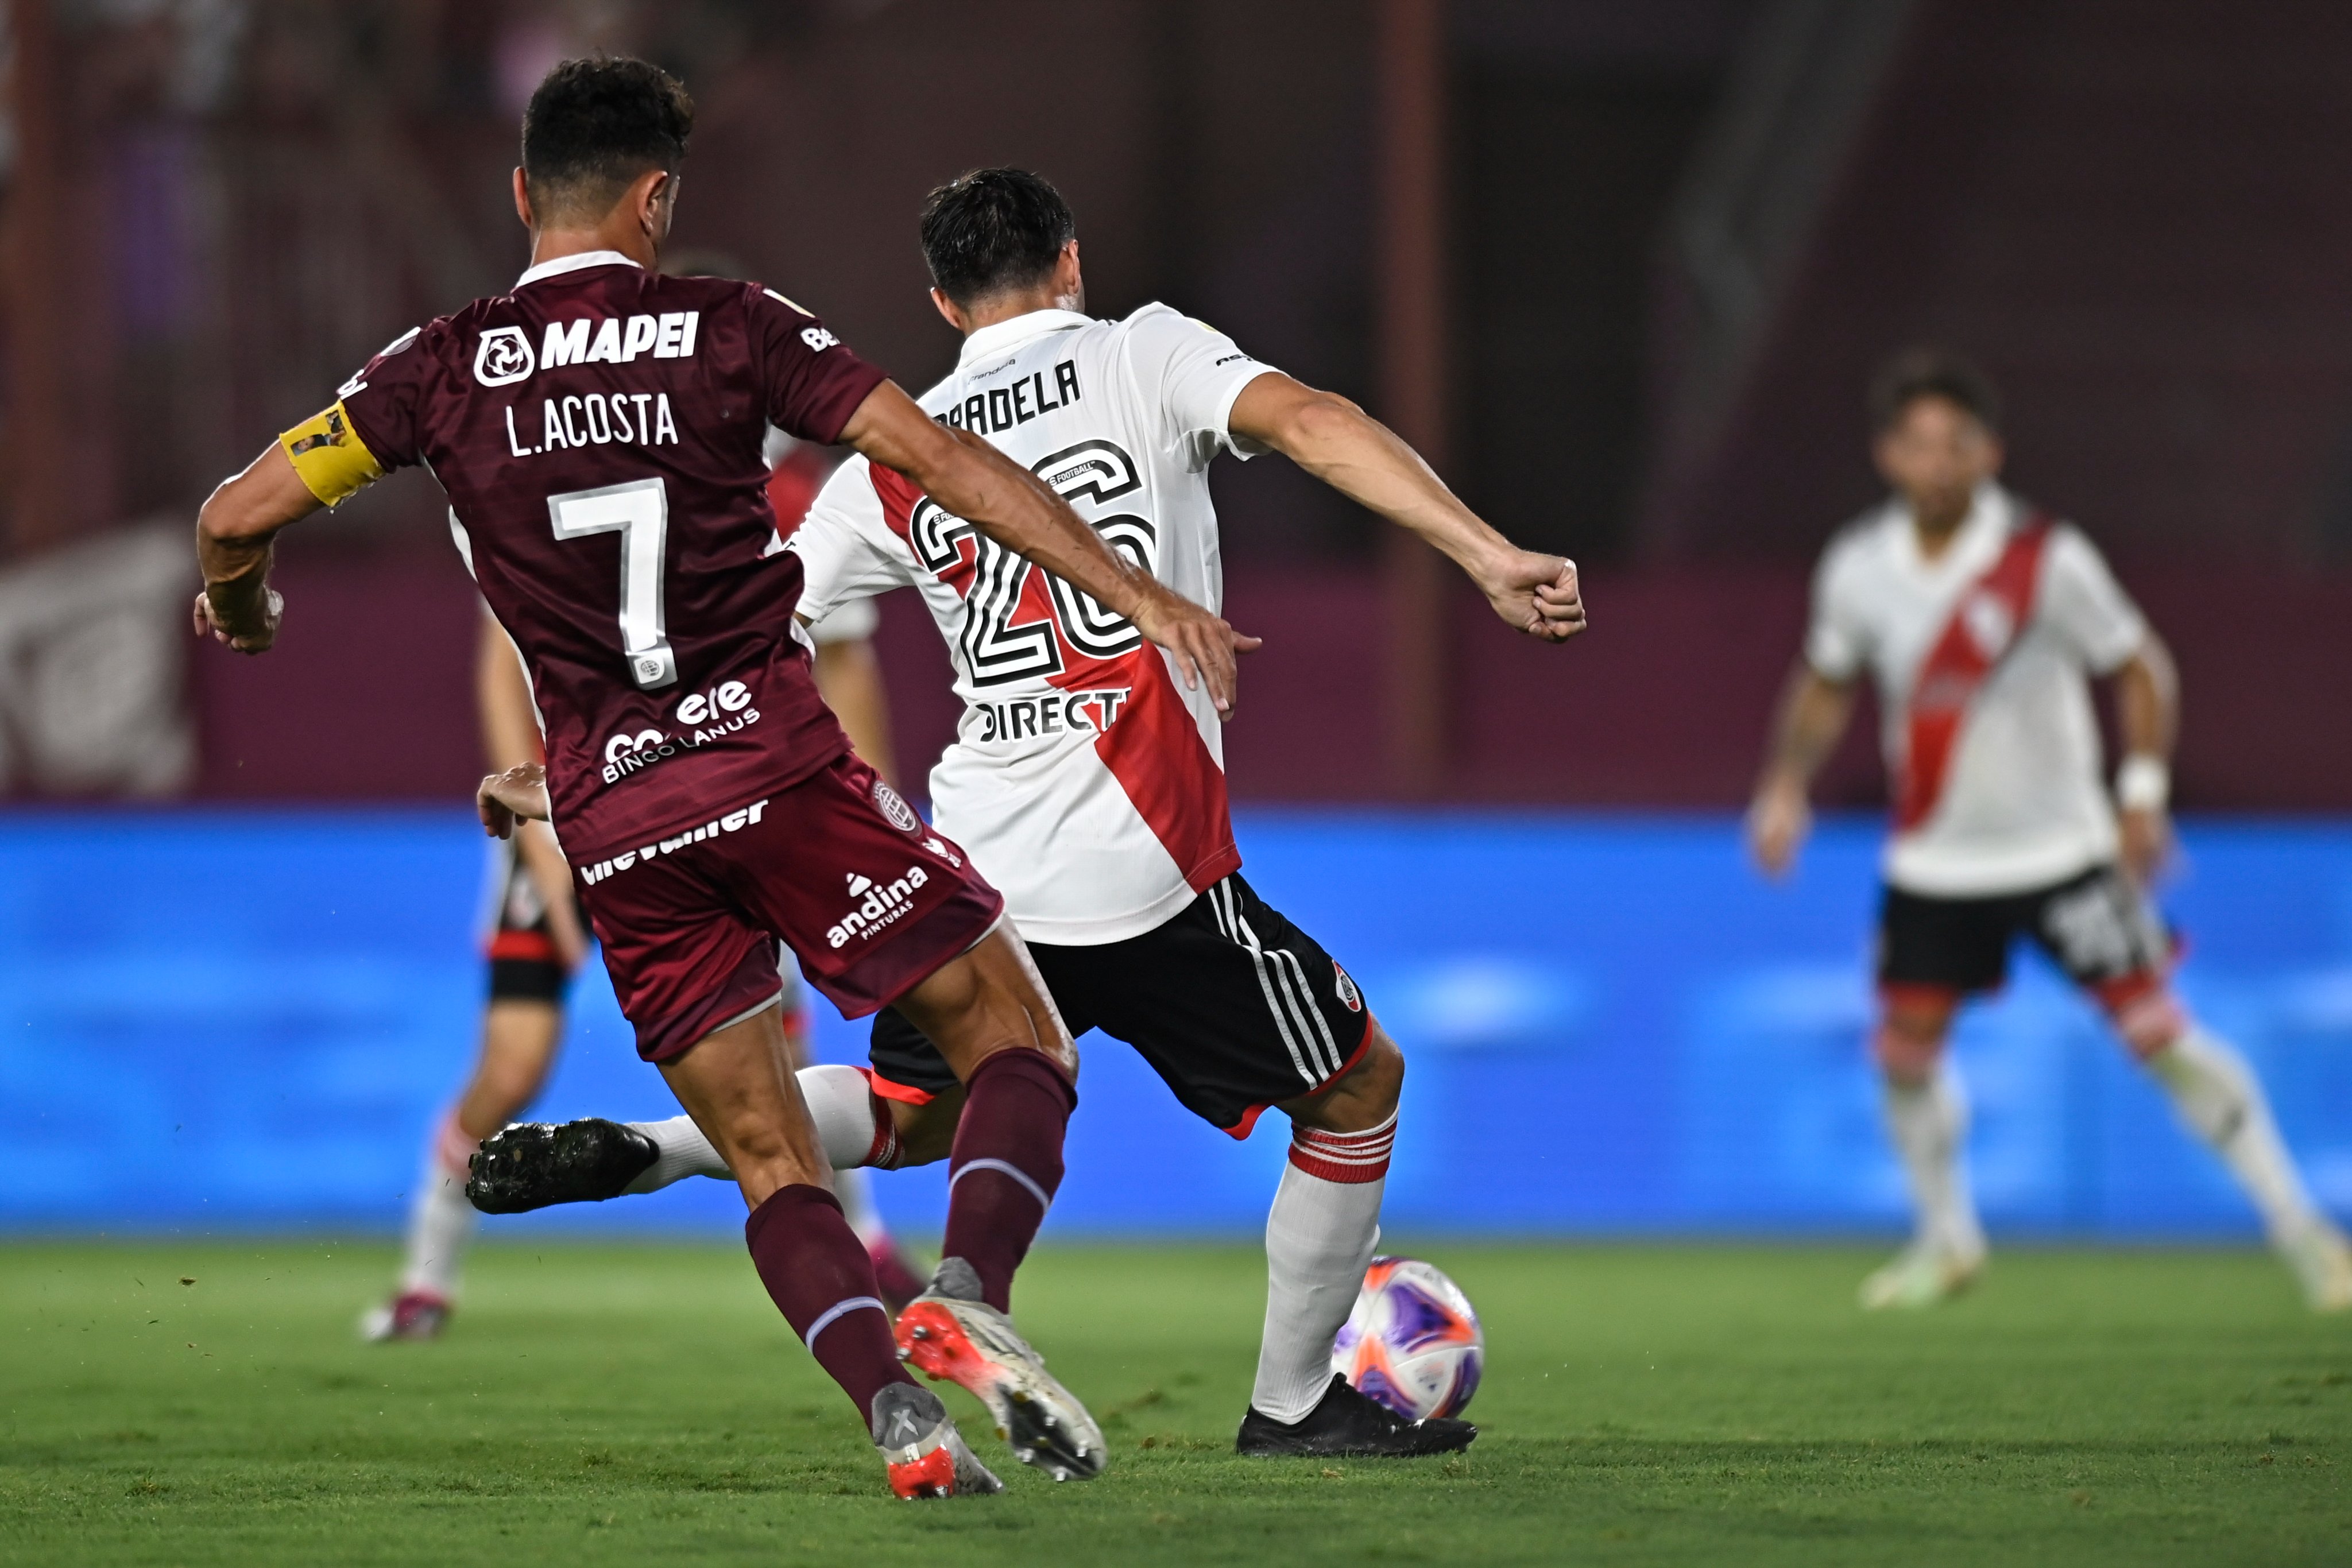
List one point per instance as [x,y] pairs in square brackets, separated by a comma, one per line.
[1193,372]
[1837,638]
[846,548]
[812,382]
[2087,606]
[370,429]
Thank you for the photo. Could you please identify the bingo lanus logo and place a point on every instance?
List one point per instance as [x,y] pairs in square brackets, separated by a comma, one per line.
[504,357]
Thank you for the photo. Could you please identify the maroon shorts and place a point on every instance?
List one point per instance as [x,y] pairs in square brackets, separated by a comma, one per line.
[836,867]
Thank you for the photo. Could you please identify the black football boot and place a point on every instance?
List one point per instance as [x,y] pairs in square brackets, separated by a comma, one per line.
[1347,1425]
[531,1165]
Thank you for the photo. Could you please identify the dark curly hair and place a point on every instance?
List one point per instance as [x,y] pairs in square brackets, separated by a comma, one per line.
[992,230]
[594,125]
[1927,371]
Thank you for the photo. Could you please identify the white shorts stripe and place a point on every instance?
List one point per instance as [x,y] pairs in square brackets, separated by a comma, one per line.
[1229,923]
[1307,994]
[1313,1070]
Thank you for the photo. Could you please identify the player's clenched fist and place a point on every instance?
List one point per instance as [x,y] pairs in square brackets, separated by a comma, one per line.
[253,640]
[520,792]
[1538,595]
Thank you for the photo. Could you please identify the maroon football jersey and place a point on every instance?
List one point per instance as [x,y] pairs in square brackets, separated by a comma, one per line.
[598,432]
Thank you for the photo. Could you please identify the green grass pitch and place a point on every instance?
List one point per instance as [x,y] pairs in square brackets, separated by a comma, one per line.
[642,1404]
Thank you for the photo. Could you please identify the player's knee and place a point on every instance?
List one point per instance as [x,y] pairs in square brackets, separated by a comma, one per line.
[1363,1097]
[1913,1025]
[2145,1011]
[927,1132]
[1380,1075]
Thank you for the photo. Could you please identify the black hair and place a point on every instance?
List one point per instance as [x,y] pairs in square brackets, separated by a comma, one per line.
[594,126]
[1928,372]
[992,230]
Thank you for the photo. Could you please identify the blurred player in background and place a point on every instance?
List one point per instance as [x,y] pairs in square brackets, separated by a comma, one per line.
[1093,791]
[1983,621]
[598,430]
[538,934]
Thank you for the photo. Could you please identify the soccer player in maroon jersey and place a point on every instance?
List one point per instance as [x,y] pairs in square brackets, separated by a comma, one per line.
[598,431]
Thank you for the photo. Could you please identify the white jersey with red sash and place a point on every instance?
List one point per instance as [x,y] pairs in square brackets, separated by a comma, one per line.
[1982,658]
[1085,780]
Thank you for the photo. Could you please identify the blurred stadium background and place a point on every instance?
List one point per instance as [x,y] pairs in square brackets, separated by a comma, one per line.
[1620,269]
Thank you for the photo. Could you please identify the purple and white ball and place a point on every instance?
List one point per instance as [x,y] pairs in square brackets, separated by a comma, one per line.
[1414,1342]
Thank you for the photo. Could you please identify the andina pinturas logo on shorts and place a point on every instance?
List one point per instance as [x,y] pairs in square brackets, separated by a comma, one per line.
[880,905]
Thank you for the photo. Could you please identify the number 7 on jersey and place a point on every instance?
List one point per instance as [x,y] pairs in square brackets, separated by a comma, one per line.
[639,512]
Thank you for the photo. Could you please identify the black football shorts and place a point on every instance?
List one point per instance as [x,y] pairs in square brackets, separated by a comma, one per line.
[2099,927]
[1236,1008]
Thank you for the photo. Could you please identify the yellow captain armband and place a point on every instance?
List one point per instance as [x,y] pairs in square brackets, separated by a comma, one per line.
[329,455]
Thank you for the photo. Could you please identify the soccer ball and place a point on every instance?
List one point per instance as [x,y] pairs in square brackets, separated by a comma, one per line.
[1413,1341]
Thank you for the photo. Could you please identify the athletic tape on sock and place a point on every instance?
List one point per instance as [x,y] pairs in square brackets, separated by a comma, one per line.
[1008,1169]
[825,1319]
[886,1152]
[1344,1157]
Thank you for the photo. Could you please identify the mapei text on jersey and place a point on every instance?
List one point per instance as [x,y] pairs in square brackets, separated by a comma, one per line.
[640,419]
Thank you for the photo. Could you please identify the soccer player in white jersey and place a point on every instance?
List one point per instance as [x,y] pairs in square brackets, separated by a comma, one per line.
[1089,784]
[1983,620]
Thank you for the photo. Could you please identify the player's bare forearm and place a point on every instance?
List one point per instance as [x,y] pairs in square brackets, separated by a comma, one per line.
[2147,701]
[2148,717]
[1814,711]
[502,694]
[1013,507]
[233,535]
[997,495]
[1370,463]
[1813,715]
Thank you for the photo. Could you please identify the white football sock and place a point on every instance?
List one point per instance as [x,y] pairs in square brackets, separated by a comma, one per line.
[1929,1125]
[2221,1100]
[1320,1238]
[838,1101]
[685,1152]
[850,1123]
[440,1221]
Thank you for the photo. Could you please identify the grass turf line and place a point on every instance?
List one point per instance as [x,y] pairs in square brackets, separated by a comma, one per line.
[635,1404]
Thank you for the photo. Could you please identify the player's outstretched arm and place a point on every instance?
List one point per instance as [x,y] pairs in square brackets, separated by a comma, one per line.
[1813,714]
[233,534]
[1367,462]
[1021,512]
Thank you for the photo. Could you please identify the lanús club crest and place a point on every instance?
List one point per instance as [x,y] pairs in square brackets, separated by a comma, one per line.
[894,806]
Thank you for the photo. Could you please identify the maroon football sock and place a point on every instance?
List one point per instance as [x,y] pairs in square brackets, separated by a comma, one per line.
[1005,1164]
[816,1270]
